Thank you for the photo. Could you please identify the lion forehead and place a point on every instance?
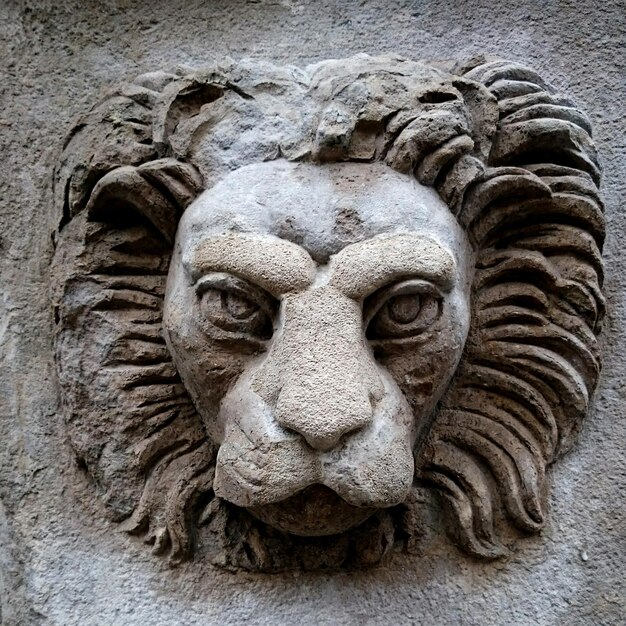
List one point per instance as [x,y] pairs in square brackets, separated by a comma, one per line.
[321,208]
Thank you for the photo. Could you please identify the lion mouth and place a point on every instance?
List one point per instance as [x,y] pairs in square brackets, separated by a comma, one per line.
[314,511]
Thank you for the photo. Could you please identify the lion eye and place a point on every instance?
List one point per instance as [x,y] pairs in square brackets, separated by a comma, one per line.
[235,306]
[403,310]
[239,307]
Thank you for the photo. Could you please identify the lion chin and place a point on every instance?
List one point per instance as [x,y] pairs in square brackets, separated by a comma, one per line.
[315,511]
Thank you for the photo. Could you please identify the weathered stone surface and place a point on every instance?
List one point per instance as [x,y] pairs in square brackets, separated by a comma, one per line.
[52,572]
[320,299]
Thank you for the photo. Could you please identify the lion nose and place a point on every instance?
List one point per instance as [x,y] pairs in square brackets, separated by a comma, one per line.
[319,375]
[323,411]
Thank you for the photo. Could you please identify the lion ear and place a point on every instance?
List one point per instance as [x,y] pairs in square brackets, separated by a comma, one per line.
[158,191]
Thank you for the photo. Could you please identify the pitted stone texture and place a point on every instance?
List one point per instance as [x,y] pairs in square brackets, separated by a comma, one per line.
[317,306]
[60,561]
[280,425]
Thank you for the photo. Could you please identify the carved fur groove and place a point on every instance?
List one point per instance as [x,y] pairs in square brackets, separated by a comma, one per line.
[531,360]
[515,163]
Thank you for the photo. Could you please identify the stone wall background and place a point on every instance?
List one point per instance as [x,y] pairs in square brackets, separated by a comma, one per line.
[60,561]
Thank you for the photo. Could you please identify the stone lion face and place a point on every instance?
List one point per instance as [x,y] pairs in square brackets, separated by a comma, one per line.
[316,315]
[302,315]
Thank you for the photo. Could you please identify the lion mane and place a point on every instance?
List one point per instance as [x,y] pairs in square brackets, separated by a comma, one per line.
[515,163]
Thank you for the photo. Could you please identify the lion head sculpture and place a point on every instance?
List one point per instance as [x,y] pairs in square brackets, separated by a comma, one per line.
[286,299]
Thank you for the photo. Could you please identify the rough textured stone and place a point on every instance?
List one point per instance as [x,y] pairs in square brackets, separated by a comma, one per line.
[319,301]
[63,568]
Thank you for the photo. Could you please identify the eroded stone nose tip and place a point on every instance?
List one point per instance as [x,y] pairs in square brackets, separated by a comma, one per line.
[326,418]
[324,441]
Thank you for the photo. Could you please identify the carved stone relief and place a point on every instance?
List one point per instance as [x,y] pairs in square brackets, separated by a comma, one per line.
[292,305]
